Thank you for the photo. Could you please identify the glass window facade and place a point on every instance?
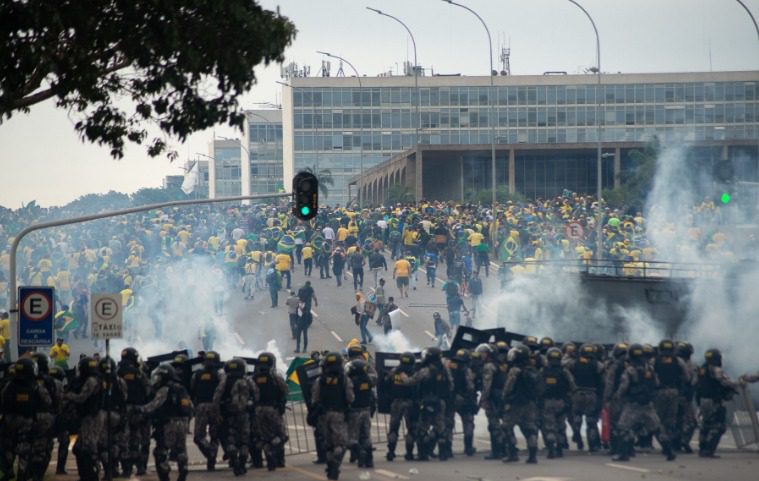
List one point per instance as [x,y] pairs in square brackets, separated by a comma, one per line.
[332,124]
[265,150]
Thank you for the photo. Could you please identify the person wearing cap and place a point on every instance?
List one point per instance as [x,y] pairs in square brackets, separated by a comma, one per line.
[60,354]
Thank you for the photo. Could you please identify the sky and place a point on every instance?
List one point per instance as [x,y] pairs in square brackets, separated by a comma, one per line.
[42,158]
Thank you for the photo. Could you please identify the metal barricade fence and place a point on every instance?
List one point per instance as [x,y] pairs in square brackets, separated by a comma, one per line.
[302,435]
[743,422]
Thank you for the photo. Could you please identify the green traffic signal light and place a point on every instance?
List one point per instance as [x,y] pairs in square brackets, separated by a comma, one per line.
[305,210]
[725,198]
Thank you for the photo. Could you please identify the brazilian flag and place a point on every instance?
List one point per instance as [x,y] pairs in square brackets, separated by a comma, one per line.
[293,384]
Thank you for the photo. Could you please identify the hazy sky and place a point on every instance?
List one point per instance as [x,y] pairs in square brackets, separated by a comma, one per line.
[42,158]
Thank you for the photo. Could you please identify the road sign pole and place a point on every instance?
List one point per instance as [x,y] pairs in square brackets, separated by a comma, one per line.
[109,388]
[12,282]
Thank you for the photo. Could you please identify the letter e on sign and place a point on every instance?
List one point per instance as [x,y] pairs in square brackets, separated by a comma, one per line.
[106,316]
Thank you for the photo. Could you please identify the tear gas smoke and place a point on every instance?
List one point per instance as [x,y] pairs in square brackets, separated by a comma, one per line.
[395,341]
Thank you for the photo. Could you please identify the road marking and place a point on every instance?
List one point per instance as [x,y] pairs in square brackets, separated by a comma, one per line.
[629,468]
[494,264]
[339,339]
[482,441]
[313,313]
[390,474]
[429,334]
[305,472]
[239,339]
[403,312]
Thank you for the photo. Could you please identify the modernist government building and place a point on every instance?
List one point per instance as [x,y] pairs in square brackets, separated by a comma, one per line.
[432,134]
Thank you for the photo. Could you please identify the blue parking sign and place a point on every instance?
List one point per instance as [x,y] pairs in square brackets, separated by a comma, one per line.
[36,312]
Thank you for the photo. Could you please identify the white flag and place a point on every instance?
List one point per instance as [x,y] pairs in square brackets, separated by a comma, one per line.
[190,180]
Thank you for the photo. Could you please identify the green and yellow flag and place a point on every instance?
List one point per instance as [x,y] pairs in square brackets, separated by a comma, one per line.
[293,383]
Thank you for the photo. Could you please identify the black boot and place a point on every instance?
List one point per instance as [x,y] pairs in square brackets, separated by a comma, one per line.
[469,448]
[333,472]
[559,450]
[511,453]
[496,451]
[409,456]
[281,457]
[354,454]
[211,464]
[182,475]
[271,462]
[442,452]
[667,451]
[551,450]
[577,439]
[533,457]
[623,451]
[686,449]
[449,449]
[424,451]
[257,458]
[369,461]
[61,466]
[390,451]
[142,467]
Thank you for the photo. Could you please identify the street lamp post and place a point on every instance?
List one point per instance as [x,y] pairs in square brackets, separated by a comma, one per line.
[361,123]
[756,27]
[599,169]
[491,99]
[416,74]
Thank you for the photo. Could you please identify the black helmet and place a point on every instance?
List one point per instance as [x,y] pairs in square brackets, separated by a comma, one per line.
[648,351]
[587,350]
[333,362]
[355,351]
[235,367]
[546,343]
[130,355]
[356,367]
[107,367]
[519,355]
[211,358]
[179,360]
[667,347]
[485,351]
[57,373]
[569,348]
[502,347]
[25,369]
[163,374]
[714,357]
[684,350]
[42,361]
[431,355]
[462,356]
[407,359]
[620,350]
[267,360]
[554,356]
[531,342]
[87,366]
[636,353]
[316,355]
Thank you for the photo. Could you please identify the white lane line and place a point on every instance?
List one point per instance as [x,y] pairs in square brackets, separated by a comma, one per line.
[313,313]
[429,334]
[403,312]
[390,474]
[239,339]
[628,468]
[339,339]
[494,264]
[482,441]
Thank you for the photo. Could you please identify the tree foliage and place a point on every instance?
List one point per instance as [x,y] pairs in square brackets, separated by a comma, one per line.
[119,66]
[324,176]
[635,184]
[397,193]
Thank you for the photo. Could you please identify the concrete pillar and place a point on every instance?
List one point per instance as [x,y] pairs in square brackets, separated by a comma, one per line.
[419,173]
[617,167]
[512,174]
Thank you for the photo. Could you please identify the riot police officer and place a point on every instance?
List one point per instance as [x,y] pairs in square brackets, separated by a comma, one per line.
[20,402]
[520,395]
[44,426]
[687,409]
[362,410]
[465,397]
[138,428]
[435,386]
[614,405]
[202,388]
[713,388]
[637,387]
[673,376]
[63,423]
[588,373]
[112,411]
[171,410]
[233,398]
[86,396]
[272,398]
[558,387]
[331,397]
[402,407]
[491,398]
[183,370]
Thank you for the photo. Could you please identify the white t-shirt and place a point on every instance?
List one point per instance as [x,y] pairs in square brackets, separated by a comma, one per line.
[382,224]
[328,233]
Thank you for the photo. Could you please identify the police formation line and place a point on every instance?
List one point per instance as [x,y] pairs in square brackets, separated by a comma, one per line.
[531,384]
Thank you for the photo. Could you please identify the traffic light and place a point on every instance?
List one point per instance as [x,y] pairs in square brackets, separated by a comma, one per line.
[306,193]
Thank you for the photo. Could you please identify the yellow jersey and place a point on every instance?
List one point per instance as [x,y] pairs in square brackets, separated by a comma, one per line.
[282,262]
[308,252]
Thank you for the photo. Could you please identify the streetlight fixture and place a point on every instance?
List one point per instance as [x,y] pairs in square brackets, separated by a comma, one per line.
[599,160]
[491,99]
[756,27]
[361,123]
[416,71]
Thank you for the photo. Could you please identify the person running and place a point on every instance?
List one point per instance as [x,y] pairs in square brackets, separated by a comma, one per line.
[308,259]
[376,263]
[293,303]
[401,273]
[386,320]
[338,263]
[357,262]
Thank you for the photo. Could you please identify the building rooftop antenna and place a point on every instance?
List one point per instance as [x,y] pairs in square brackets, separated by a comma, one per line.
[505,59]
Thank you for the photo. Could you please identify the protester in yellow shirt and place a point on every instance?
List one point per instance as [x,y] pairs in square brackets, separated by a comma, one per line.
[308,258]
[401,272]
[60,354]
[342,233]
[475,239]
[282,262]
